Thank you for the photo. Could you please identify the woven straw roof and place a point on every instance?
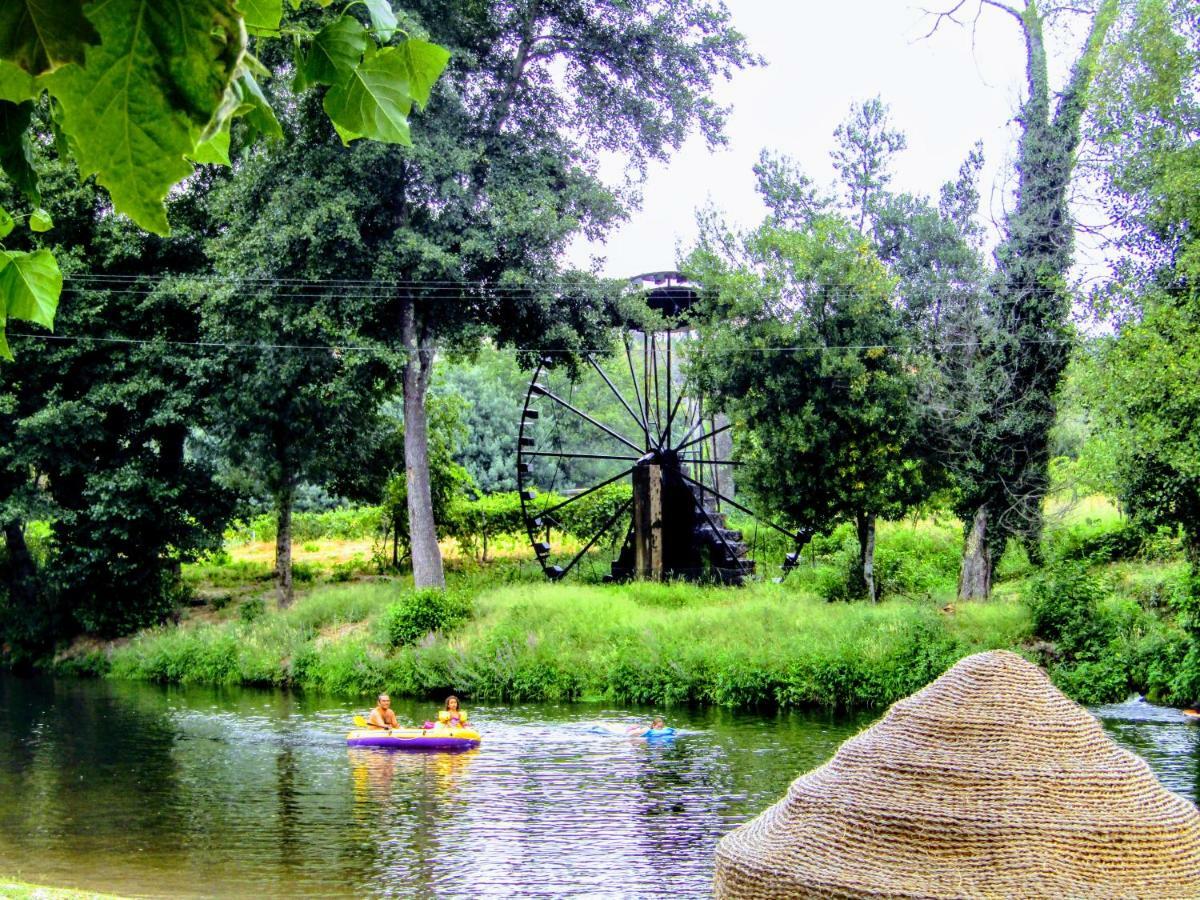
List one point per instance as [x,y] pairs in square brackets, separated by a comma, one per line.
[987,783]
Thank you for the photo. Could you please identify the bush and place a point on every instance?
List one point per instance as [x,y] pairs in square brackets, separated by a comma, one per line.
[421,612]
[1098,543]
[1066,604]
[252,610]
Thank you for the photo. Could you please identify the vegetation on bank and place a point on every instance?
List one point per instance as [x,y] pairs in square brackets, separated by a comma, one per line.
[20,890]
[1100,615]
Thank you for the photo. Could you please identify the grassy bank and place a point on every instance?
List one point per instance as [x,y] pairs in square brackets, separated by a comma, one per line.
[762,645]
[19,890]
[1101,617]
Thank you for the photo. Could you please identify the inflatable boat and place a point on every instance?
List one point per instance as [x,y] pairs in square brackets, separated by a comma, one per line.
[436,738]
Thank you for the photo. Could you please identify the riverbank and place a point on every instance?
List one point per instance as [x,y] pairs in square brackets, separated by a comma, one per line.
[20,890]
[1102,616]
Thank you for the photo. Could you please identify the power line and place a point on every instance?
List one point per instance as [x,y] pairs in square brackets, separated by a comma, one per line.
[543,351]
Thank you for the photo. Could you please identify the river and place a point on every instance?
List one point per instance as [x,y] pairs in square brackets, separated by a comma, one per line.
[139,789]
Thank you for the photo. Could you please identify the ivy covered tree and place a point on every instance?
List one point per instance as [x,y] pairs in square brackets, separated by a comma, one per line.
[1004,480]
[803,349]
[463,231]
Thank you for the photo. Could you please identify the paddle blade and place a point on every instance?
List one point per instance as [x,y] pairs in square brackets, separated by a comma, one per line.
[360,722]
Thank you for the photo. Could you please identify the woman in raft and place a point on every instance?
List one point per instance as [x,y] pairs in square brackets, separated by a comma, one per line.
[452,716]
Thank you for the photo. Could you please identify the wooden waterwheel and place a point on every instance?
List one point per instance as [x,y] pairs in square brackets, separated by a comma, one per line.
[629,430]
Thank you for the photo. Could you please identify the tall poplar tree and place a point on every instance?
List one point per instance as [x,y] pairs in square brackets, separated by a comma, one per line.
[1024,353]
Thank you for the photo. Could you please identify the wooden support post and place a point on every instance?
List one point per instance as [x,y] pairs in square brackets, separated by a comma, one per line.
[647,522]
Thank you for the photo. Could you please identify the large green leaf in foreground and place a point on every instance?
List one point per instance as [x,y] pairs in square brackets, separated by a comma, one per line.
[41,35]
[30,284]
[145,94]
[375,99]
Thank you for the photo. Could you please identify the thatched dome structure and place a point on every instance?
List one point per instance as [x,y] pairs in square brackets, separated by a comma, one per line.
[987,783]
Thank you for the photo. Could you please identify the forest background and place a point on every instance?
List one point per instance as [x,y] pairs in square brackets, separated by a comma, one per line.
[323,348]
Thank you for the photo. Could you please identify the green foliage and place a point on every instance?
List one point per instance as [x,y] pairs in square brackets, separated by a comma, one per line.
[143,91]
[421,612]
[345,524]
[97,435]
[654,643]
[252,610]
[834,411]
[1067,606]
[1004,460]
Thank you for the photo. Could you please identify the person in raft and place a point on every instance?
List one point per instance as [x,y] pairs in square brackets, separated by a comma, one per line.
[638,730]
[452,716]
[382,715]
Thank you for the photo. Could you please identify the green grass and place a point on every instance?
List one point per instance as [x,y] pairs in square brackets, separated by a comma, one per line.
[20,890]
[764,645]
[518,638]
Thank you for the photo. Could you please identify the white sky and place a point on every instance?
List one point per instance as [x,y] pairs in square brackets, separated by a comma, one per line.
[944,94]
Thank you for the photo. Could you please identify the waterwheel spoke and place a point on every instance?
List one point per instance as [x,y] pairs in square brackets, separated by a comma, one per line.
[599,534]
[704,437]
[665,438]
[546,392]
[553,509]
[565,455]
[637,394]
[625,403]
[736,505]
[698,461]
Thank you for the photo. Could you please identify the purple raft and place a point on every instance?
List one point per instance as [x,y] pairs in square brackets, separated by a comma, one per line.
[444,739]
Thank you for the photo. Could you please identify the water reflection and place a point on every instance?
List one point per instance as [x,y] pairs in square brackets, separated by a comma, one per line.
[144,790]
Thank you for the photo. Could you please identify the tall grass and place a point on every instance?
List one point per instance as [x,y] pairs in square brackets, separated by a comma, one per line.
[763,646]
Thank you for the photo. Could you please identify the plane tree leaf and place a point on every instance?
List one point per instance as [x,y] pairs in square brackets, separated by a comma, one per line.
[30,285]
[16,157]
[425,63]
[6,223]
[336,51]
[145,94]
[41,35]
[383,19]
[40,220]
[376,98]
[215,148]
[16,84]
[262,16]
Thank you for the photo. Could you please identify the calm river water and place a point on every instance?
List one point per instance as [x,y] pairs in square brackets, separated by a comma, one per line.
[151,791]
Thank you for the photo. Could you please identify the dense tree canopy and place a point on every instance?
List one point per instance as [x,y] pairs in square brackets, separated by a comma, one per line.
[461,233]
[803,349]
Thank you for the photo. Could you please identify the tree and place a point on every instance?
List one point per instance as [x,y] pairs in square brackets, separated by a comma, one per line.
[803,349]
[141,92]
[864,146]
[462,232]
[1150,394]
[96,430]
[932,251]
[1022,357]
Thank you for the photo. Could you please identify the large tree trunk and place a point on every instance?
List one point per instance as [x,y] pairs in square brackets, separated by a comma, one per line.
[866,552]
[283,545]
[22,571]
[423,544]
[975,575]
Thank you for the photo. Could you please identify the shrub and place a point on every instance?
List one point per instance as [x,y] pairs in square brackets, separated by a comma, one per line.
[1066,604]
[421,612]
[252,610]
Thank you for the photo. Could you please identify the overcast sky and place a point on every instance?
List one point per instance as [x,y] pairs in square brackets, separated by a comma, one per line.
[944,94]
